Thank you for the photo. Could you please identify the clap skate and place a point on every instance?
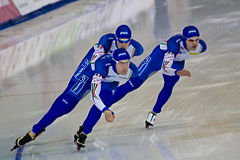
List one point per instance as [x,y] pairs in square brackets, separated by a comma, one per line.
[81,140]
[79,131]
[150,119]
[25,139]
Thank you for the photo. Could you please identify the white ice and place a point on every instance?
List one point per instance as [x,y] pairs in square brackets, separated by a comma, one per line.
[200,121]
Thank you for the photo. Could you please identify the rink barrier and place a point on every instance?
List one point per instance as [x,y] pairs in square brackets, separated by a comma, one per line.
[18,18]
[17,56]
[31,51]
[27,6]
[8,10]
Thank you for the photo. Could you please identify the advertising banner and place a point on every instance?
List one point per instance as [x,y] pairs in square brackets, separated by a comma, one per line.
[27,6]
[7,10]
[29,52]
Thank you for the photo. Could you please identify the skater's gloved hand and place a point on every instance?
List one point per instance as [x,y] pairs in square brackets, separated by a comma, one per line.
[184,73]
[109,116]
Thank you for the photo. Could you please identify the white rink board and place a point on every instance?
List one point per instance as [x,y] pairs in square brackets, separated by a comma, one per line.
[27,6]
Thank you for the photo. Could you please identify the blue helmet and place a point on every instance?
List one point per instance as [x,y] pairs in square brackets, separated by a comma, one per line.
[123,32]
[190,31]
[121,54]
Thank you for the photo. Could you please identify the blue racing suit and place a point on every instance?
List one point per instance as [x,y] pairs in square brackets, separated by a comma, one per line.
[80,83]
[169,57]
[104,83]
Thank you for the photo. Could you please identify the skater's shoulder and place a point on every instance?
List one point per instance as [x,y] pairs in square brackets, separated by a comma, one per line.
[107,37]
[106,40]
[203,44]
[134,69]
[106,59]
[138,48]
[136,44]
[104,62]
[173,43]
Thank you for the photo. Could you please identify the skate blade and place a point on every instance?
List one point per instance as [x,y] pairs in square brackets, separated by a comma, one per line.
[147,125]
[80,147]
[15,147]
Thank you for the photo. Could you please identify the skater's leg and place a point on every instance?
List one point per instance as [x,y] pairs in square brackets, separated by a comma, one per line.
[166,92]
[94,113]
[124,89]
[145,70]
[164,95]
[65,103]
[93,117]
[62,105]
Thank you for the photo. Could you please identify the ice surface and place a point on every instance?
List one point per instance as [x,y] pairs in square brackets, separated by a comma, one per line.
[200,121]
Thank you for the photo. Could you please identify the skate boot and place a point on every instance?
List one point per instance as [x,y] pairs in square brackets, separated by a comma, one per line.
[81,140]
[150,119]
[25,139]
[76,136]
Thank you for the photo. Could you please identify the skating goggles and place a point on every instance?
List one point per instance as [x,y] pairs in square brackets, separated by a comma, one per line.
[123,61]
[123,40]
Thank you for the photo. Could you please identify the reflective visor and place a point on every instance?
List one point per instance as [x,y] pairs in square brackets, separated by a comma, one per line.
[123,40]
[124,61]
